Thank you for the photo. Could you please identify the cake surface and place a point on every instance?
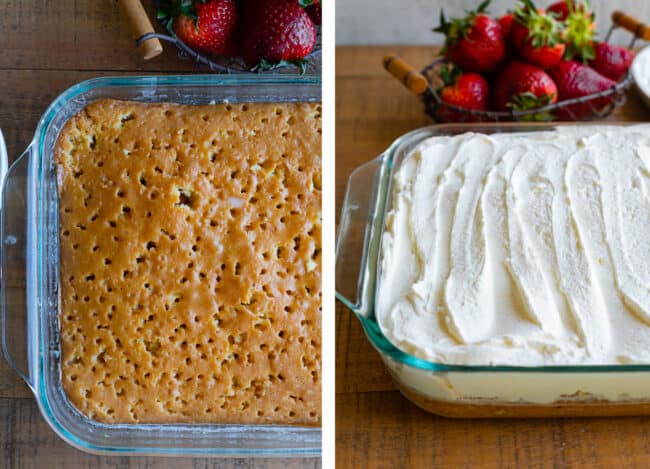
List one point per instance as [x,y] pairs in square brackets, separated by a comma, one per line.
[521,249]
[190,262]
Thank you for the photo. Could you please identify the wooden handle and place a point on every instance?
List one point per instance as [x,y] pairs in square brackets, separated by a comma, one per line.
[633,25]
[411,78]
[140,25]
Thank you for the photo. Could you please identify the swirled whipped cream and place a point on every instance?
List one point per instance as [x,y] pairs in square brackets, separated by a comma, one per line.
[521,249]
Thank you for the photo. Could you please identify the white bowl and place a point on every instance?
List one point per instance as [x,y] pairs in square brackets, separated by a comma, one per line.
[641,73]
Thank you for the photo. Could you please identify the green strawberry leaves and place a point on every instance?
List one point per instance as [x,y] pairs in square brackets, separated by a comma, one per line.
[170,9]
[266,65]
[482,8]
[528,100]
[458,28]
[579,33]
[543,29]
[448,75]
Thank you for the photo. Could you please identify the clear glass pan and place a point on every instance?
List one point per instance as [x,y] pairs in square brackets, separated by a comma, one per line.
[30,275]
[472,391]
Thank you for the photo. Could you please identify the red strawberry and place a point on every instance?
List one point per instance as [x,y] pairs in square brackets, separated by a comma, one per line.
[575,80]
[611,61]
[506,24]
[276,31]
[536,35]
[313,8]
[560,9]
[474,43]
[579,30]
[466,90]
[205,26]
[521,86]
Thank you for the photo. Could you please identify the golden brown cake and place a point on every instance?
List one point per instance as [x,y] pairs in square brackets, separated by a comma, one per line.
[190,262]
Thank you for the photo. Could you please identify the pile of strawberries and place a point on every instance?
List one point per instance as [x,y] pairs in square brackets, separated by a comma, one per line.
[266,33]
[527,59]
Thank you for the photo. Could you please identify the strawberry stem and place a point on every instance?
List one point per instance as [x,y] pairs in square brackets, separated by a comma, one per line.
[579,33]
[543,28]
[458,28]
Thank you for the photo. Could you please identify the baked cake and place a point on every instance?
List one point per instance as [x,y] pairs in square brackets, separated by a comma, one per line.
[190,262]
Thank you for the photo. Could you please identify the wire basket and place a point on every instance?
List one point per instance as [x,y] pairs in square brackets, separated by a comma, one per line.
[222,64]
[148,43]
[594,106]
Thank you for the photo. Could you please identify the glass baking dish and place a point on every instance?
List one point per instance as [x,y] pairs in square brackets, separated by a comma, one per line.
[30,275]
[455,390]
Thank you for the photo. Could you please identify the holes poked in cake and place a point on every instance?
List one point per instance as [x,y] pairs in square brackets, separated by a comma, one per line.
[152,346]
[173,299]
[216,320]
[186,198]
[169,235]
[213,156]
[92,142]
[126,118]
[256,221]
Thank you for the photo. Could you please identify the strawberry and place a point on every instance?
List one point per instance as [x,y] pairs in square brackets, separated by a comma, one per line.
[579,28]
[536,35]
[276,31]
[563,8]
[313,8]
[520,86]
[575,80]
[466,90]
[205,26]
[506,24]
[611,61]
[475,43]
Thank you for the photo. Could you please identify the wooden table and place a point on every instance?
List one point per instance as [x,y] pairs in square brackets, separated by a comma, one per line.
[45,47]
[375,426]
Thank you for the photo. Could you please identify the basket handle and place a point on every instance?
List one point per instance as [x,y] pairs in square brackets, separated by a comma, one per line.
[411,78]
[140,25]
[633,25]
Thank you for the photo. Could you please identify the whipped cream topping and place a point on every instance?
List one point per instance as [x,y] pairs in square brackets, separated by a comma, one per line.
[521,249]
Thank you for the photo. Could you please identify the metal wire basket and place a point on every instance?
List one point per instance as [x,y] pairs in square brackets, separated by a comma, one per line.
[224,64]
[148,43]
[594,106]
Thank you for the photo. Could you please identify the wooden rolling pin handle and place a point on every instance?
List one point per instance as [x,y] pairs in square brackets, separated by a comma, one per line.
[411,78]
[633,25]
[140,25]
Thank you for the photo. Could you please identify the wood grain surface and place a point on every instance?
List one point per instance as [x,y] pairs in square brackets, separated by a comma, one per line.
[45,47]
[377,427]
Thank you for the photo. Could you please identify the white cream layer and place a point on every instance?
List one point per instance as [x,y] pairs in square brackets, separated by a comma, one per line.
[521,249]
